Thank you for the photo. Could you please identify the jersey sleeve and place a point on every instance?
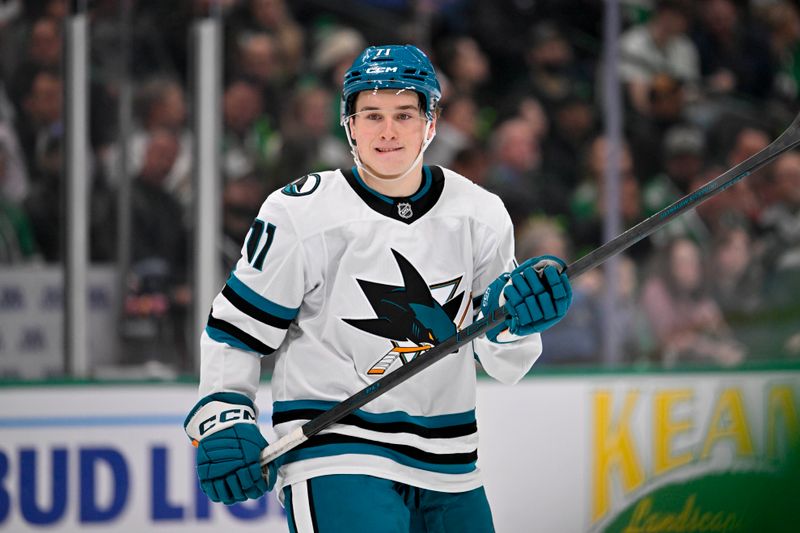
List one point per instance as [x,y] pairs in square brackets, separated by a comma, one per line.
[507,362]
[251,315]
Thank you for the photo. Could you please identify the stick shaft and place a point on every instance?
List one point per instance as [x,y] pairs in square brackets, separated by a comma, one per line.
[786,141]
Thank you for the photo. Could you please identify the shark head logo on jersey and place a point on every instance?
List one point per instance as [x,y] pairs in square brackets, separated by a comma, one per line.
[409,316]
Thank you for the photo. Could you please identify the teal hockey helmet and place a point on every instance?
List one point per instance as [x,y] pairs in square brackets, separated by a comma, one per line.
[391,66]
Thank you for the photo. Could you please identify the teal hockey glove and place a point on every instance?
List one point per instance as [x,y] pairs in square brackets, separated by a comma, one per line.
[223,427]
[536,295]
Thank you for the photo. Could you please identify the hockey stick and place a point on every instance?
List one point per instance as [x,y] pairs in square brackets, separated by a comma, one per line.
[786,141]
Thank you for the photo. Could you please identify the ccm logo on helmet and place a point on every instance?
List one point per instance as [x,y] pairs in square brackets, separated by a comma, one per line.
[380,70]
[229,415]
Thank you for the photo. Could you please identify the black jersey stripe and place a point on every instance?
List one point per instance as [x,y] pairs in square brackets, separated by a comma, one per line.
[243,337]
[311,507]
[252,311]
[409,451]
[446,432]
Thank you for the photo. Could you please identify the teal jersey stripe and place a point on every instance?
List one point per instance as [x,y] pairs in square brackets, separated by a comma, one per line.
[224,338]
[329,450]
[368,188]
[255,299]
[436,421]
[426,173]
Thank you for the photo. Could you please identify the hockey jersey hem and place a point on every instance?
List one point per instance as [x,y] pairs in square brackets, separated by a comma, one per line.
[377,467]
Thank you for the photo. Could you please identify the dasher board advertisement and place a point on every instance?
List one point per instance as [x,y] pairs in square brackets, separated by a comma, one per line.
[578,453]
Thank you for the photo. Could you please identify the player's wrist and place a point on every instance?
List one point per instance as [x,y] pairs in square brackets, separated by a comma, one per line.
[219,411]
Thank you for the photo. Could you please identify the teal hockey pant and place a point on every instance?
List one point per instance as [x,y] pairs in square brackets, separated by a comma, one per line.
[366,504]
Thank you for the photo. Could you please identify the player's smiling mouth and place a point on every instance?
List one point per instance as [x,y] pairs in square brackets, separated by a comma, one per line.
[388,150]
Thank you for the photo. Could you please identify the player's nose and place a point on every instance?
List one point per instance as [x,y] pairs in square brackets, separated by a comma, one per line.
[389,130]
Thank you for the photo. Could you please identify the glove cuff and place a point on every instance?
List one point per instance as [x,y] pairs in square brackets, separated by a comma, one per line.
[216,412]
[539,263]
[493,299]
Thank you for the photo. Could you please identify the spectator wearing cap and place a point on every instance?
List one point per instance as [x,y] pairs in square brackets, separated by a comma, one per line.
[333,54]
[684,159]
[335,51]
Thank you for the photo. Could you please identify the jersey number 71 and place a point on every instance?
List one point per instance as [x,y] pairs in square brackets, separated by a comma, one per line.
[257,231]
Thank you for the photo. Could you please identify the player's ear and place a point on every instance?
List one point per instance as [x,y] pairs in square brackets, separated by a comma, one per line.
[351,123]
[436,112]
[432,129]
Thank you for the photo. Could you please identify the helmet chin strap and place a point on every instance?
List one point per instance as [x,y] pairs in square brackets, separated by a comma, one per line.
[362,167]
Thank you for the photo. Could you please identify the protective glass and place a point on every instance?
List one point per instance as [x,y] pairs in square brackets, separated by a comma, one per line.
[376,120]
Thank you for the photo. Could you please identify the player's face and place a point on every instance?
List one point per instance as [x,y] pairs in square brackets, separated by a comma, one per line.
[389,129]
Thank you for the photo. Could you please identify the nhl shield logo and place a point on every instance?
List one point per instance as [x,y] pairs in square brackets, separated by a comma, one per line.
[404,210]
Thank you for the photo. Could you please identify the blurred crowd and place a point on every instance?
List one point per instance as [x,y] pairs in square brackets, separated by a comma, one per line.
[706,84]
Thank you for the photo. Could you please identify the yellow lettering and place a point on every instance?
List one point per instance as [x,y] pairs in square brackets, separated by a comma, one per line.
[614,448]
[781,403]
[729,422]
[639,514]
[665,428]
[682,519]
[646,520]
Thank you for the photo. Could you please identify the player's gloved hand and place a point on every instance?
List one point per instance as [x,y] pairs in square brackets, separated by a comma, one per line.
[535,295]
[224,428]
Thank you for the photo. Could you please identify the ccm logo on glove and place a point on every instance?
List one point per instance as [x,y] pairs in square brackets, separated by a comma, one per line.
[215,416]
[228,415]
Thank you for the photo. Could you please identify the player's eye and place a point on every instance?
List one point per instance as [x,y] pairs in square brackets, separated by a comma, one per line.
[373,116]
[404,116]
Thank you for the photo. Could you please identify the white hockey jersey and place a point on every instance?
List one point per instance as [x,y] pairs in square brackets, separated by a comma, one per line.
[343,285]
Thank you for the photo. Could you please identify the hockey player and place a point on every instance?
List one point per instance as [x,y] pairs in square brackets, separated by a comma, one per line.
[346,275]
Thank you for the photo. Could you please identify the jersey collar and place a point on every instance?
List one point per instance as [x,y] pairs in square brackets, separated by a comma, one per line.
[405,209]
